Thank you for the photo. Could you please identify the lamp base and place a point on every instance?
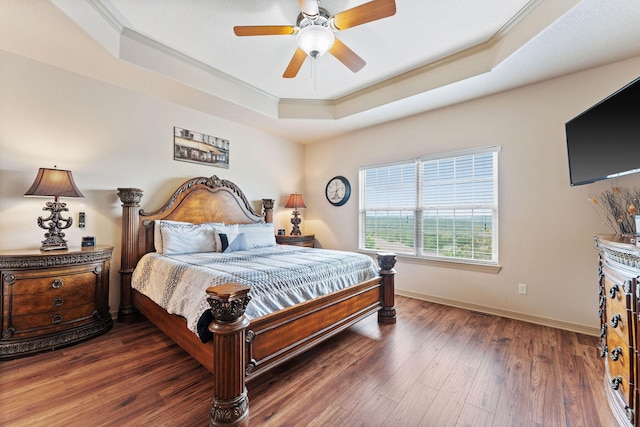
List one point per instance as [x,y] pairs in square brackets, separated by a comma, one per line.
[53,247]
[54,238]
[295,230]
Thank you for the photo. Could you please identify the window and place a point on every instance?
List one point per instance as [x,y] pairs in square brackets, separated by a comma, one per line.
[441,207]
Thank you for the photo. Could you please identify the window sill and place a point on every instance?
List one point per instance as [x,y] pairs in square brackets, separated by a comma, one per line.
[448,263]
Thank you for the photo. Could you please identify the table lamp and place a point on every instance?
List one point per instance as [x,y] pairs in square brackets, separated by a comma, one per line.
[295,202]
[56,183]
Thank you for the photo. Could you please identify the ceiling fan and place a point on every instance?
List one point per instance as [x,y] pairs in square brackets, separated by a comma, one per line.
[314,30]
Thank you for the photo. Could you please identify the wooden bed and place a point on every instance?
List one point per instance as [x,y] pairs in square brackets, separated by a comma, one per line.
[241,349]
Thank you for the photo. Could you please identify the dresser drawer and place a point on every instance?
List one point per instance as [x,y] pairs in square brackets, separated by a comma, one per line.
[28,282]
[52,319]
[55,299]
[619,320]
[619,363]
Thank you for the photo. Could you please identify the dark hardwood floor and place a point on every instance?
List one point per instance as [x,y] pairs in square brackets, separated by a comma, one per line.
[438,366]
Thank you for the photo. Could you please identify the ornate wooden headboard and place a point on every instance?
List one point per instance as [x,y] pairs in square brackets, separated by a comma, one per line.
[198,200]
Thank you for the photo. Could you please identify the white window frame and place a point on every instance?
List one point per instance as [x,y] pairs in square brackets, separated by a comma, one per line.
[417,207]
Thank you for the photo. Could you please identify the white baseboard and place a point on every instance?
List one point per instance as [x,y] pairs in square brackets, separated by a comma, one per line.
[567,326]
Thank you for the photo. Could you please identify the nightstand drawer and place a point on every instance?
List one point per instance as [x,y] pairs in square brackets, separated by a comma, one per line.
[28,282]
[22,304]
[51,319]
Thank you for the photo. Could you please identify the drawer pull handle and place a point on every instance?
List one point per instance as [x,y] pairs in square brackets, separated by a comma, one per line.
[613,291]
[615,353]
[601,302]
[615,382]
[603,330]
[56,319]
[603,351]
[615,320]
[57,284]
[57,302]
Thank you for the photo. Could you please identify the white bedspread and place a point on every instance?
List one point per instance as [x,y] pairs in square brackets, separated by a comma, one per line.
[279,276]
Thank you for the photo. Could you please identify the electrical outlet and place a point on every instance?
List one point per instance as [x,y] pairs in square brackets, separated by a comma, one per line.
[522,288]
[81,219]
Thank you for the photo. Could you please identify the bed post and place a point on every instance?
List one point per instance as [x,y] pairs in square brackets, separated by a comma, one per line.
[130,198]
[230,404]
[267,206]
[386,262]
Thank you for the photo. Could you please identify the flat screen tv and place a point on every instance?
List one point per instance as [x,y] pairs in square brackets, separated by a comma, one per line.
[604,141]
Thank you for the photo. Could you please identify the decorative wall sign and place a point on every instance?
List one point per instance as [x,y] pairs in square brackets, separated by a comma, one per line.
[194,147]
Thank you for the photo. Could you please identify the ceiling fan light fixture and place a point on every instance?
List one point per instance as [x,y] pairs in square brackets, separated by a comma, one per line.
[315,40]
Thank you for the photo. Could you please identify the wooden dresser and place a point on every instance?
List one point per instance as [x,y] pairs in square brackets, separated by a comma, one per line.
[305,240]
[619,276]
[53,299]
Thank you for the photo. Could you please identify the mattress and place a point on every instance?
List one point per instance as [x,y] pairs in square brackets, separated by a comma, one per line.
[280,276]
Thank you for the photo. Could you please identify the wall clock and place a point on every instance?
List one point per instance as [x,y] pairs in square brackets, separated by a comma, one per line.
[338,190]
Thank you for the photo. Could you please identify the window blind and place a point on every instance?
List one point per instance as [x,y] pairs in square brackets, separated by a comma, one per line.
[443,206]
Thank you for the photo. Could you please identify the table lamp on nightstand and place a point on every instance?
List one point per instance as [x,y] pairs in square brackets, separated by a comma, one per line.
[295,202]
[56,183]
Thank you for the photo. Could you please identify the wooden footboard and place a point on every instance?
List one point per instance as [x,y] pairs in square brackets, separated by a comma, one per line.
[241,349]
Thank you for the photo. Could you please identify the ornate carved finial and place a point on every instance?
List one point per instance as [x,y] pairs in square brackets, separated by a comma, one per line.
[228,302]
[386,261]
[267,204]
[130,196]
[228,310]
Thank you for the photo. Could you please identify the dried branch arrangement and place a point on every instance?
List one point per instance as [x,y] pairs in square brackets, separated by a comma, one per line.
[617,208]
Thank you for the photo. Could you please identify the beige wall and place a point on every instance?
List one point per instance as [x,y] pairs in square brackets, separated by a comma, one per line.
[546,226]
[113,137]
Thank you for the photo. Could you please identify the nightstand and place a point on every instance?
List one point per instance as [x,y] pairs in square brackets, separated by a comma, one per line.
[305,240]
[52,299]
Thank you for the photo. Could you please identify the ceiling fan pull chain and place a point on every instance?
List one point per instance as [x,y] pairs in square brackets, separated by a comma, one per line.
[314,72]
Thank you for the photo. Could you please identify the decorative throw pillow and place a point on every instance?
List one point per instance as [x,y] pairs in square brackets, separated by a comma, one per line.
[237,244]
[230,232]
[258,235]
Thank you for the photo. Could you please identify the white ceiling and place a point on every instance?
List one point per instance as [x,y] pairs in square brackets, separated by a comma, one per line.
[430,54]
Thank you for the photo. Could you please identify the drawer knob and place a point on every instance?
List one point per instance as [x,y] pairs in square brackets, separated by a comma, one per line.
[615,320]
[56,319]
[603,351]
[57,284]
[57,302]
[615,353]
[613,291]
[603,330]
[615,382]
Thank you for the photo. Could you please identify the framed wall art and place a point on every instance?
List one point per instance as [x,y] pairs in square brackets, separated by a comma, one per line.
[195,147]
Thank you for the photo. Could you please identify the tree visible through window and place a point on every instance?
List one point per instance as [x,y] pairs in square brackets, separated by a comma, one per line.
[435,207]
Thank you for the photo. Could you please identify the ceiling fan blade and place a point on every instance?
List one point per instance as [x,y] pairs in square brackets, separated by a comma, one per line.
[309,8]
[347,56]
[295,64]
[264,30]
[367,12]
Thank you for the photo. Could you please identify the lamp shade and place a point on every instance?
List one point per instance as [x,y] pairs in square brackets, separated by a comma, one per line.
[315,40]
[54,182]
[295,201]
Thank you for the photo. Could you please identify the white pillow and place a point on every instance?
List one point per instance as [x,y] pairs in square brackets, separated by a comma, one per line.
[157,235]
[186,238]
[258,235]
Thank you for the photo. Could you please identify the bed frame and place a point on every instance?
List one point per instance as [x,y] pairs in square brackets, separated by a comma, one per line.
[241,349]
